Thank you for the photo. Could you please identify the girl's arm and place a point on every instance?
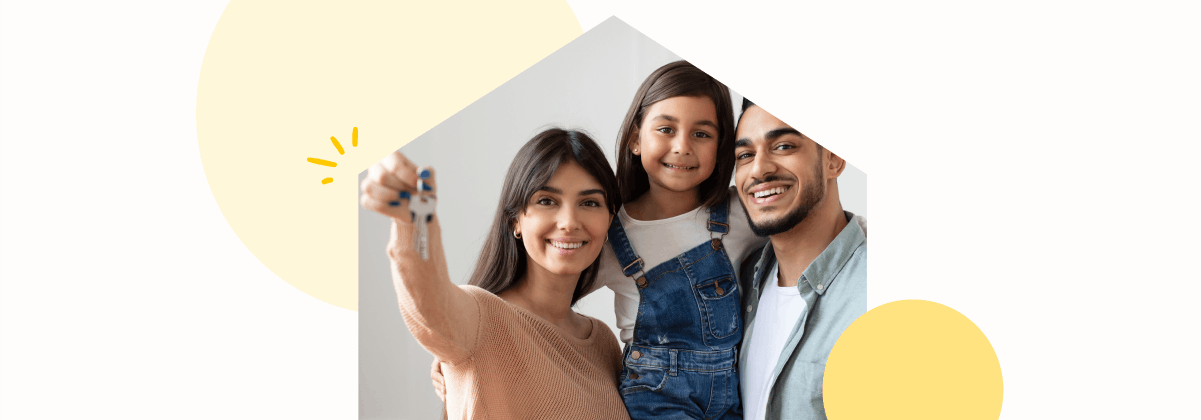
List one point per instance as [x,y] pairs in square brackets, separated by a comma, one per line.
[442,317]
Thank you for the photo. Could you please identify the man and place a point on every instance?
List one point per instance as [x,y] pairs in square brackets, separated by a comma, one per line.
[809,282]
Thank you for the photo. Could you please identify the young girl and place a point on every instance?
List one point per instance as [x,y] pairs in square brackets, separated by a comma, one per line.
[668,258]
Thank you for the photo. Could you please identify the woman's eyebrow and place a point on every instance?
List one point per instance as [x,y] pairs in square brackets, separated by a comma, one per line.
[550,189]
[592,191]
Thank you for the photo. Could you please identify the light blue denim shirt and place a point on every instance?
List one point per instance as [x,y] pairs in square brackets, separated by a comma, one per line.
[834,288]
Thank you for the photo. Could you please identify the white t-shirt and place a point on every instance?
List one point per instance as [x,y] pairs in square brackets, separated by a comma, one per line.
[657,241]
[779,310]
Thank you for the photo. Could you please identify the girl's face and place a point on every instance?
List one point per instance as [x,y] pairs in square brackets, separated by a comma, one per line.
[677,142]
[564,224]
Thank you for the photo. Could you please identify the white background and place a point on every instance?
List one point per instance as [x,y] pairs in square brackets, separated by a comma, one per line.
[1033,166]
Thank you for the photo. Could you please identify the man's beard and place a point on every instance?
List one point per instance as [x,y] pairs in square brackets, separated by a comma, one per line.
[813,194]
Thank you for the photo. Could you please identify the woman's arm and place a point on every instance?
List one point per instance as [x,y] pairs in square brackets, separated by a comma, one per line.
[442,317]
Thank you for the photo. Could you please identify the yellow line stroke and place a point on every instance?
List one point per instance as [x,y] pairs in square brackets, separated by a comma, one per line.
[337,145]
[354,137]
[324,162]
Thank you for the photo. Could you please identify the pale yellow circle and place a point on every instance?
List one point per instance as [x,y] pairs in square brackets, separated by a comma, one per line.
[912,359]
[280,78]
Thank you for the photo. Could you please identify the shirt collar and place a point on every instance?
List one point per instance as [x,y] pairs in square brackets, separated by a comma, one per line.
[822,271]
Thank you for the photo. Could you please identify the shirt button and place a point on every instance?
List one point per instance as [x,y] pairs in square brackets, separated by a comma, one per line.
[748,309]
[635,355]
[819,286]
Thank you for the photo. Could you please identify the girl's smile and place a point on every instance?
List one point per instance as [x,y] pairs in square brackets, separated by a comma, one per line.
[677,142]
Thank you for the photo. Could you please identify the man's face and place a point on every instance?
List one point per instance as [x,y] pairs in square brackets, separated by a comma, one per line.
[779,172]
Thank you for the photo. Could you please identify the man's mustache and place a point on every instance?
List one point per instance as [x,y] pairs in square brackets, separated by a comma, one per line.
[770,178]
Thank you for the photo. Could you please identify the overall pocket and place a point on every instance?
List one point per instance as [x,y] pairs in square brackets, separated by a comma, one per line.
[642,378]
[719,297]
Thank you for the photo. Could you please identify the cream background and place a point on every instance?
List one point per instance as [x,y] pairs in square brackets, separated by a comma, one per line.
[280,77]
[1044,152]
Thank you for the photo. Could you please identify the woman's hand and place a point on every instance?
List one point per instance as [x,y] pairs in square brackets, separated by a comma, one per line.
[441,316]
[389,188]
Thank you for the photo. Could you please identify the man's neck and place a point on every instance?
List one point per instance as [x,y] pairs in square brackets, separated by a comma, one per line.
[797,248]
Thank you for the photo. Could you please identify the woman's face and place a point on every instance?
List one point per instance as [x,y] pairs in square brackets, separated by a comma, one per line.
[564,224]
[677,142]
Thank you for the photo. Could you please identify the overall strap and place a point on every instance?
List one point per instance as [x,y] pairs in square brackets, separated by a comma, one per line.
[718,223]
[630,262]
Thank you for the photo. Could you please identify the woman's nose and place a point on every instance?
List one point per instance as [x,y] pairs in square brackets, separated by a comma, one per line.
[569,218]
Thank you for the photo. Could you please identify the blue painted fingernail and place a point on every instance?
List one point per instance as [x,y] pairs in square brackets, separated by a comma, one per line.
[426,187]
[404,195]
[429,218]
[425,174]
[394,203]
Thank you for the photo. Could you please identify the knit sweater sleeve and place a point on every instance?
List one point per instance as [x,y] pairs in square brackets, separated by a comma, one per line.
[433,337]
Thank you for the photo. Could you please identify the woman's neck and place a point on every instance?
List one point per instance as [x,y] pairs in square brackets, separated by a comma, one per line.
[547,295]
[659,203]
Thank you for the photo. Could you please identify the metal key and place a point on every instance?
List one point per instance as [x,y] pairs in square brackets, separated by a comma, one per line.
[422,207]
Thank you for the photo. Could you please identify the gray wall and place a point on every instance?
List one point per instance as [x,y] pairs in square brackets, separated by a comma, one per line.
[588,85]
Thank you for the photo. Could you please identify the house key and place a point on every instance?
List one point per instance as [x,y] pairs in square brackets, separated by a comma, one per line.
[422,207]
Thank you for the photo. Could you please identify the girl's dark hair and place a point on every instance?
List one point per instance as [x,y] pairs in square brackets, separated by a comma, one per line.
[677,79]
[502,261]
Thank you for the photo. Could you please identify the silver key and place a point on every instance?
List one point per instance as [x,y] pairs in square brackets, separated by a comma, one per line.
[422,207]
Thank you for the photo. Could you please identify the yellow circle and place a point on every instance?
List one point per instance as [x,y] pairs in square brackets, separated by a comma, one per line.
[280,78]
[912,359]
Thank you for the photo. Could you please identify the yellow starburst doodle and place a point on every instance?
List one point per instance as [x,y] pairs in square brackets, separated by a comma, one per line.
[354,142]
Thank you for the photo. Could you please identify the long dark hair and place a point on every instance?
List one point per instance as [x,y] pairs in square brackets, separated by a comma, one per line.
[502,262]
[677,79]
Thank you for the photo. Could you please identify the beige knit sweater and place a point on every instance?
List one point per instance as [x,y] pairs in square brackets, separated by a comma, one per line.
[523,367]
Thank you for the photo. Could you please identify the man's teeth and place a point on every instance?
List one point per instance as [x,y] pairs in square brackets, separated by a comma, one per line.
[567,245]
[773,191]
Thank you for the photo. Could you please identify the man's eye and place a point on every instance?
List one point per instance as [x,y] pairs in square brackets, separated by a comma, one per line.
[784,146]
[742,156]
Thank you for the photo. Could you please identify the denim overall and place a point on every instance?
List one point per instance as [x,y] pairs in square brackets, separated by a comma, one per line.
[682,360]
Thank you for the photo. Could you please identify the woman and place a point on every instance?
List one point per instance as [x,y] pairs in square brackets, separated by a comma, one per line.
[510,345]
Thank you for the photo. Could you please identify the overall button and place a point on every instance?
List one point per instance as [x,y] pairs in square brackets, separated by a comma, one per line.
[720,291]
[635,355]
[641,281]
[716,244]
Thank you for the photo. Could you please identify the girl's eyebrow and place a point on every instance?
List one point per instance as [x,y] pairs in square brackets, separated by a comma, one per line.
[676,120]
